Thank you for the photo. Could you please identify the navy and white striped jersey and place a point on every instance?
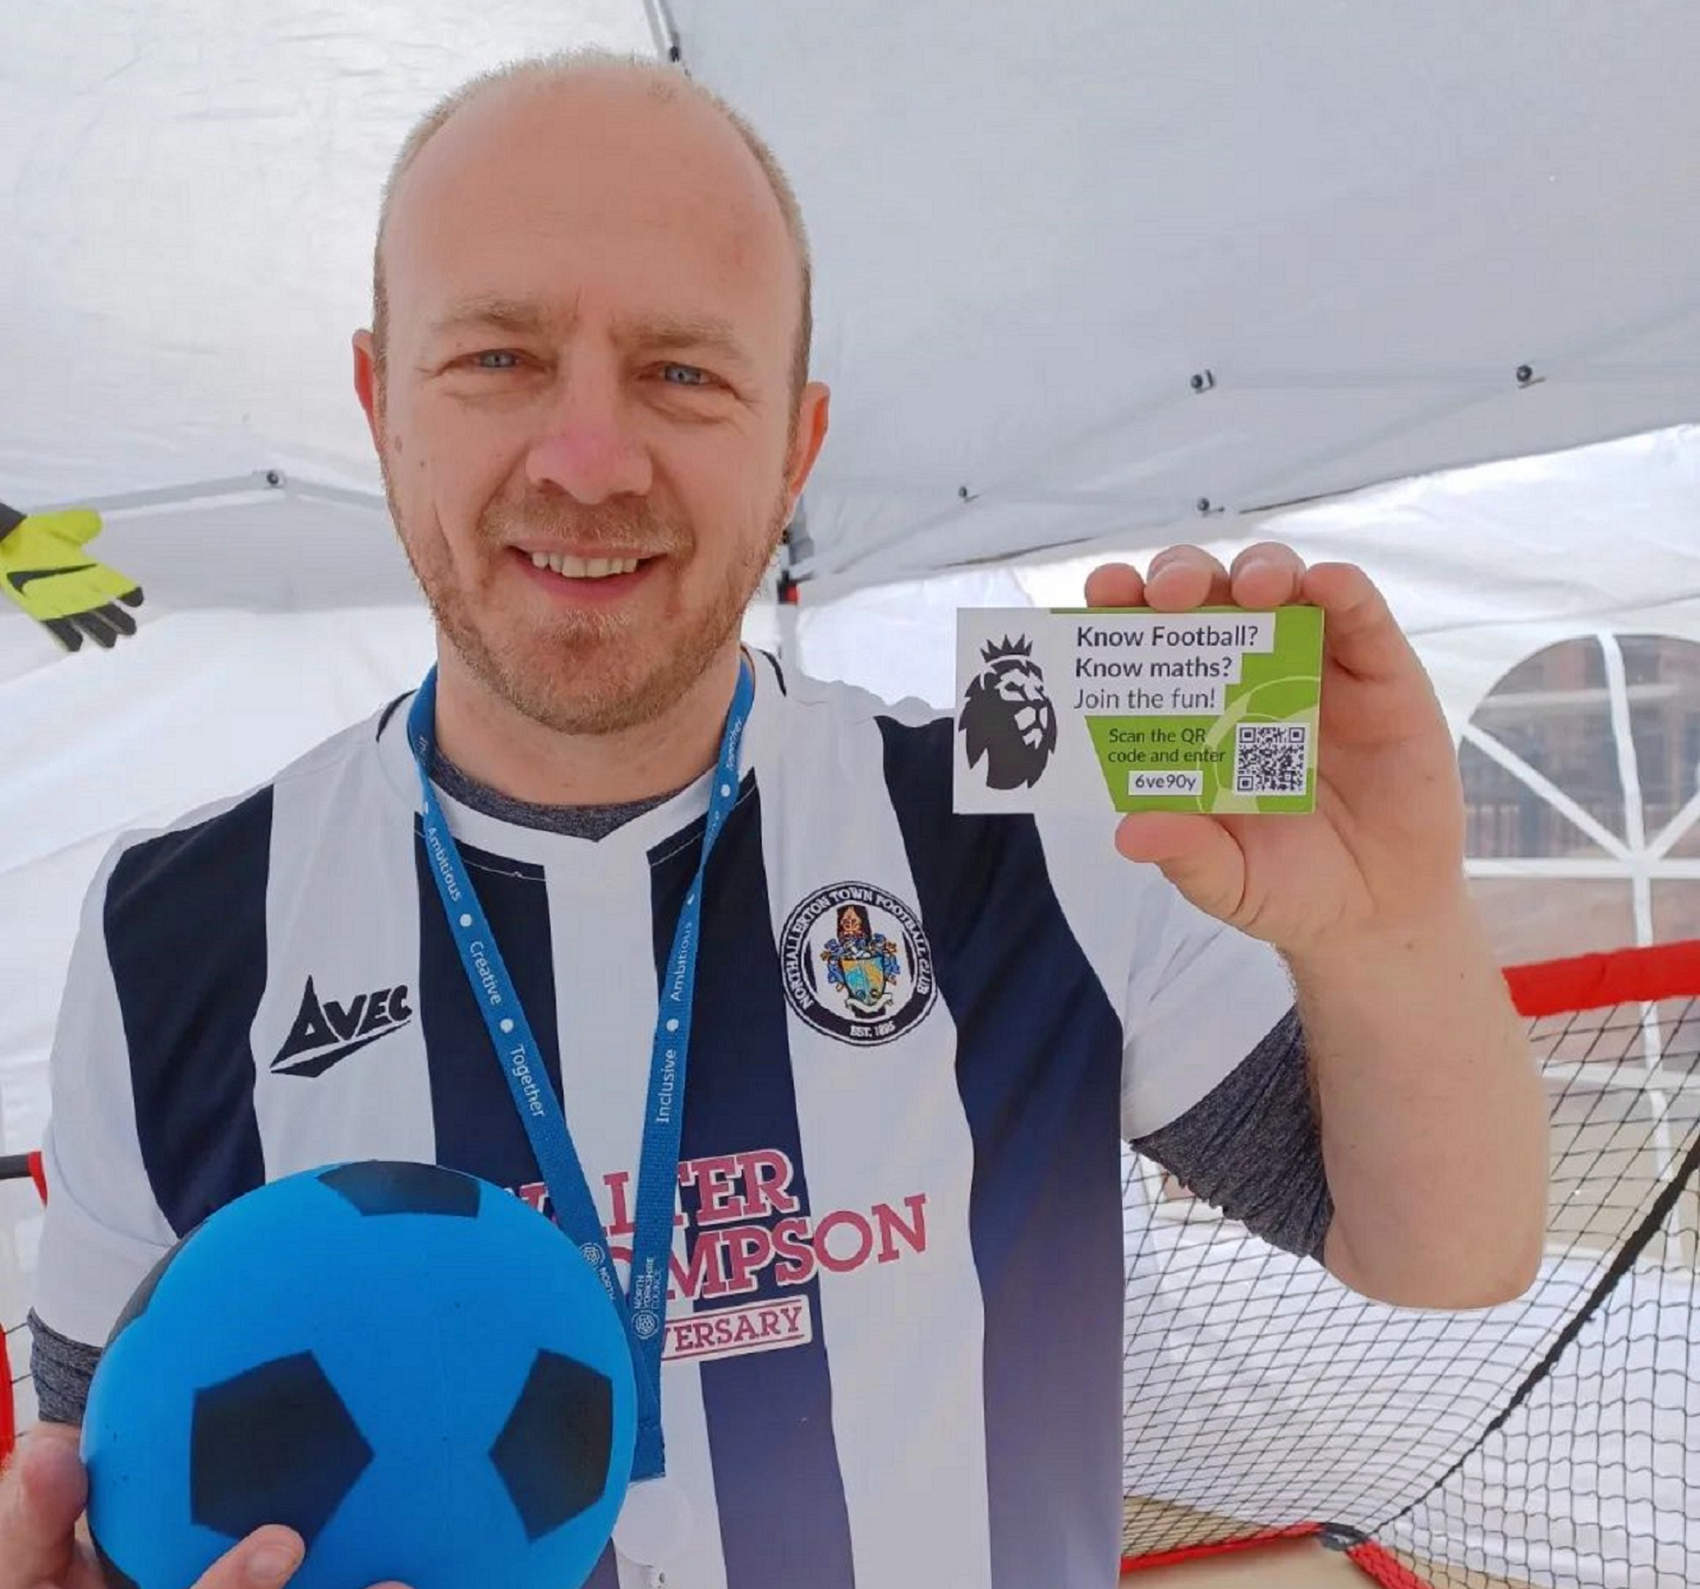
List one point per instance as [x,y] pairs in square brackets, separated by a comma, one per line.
[893,1348]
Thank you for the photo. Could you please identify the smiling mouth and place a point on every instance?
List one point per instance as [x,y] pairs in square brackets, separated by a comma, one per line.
[569,567]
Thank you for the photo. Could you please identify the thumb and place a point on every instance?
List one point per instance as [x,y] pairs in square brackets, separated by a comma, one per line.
[1196,853]
[45,1495]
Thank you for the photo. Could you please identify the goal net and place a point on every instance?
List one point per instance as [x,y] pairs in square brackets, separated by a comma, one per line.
[1551,1441]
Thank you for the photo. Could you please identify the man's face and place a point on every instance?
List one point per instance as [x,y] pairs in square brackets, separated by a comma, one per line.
[585,417]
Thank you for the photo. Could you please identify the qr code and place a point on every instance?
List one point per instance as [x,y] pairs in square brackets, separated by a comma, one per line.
[1269,758]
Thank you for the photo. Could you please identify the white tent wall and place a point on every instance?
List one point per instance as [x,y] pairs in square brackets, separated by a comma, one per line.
[190,192]
[899,640]
[1083,266]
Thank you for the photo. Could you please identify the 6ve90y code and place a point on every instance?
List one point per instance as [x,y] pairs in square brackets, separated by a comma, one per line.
[1178,782]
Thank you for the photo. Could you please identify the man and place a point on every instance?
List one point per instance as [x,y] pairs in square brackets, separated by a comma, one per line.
[586,380]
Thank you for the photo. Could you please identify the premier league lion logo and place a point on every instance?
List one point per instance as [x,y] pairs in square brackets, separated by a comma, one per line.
[1008,717]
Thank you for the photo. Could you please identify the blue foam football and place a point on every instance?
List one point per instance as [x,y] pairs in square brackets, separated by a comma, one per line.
[407,1365]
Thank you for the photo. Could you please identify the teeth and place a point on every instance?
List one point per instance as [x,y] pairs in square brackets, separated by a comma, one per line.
[584,567]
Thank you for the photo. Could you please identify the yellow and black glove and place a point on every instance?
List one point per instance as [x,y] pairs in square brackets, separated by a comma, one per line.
[46,571]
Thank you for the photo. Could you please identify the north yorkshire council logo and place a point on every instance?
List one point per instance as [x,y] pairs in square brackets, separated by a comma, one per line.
[856,964]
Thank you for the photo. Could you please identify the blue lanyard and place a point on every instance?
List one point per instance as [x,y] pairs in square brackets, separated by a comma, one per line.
[643,1310]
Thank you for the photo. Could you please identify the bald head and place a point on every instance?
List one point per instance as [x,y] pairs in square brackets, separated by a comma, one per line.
[535,97]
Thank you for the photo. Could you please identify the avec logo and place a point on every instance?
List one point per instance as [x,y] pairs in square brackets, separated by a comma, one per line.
[326,1031]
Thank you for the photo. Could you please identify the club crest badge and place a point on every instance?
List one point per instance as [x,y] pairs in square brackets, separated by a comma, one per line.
[857,965]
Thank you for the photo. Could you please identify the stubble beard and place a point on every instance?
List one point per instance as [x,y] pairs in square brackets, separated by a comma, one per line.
[593,672]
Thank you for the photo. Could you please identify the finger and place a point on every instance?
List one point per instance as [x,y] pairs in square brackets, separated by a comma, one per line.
[1114,585]
[117,618]
[1183,577]
[1266,575]
[1196,853]
[44,1496]
[131,598]
[1359,631]
[66,633]
[266,1558]
[97,628]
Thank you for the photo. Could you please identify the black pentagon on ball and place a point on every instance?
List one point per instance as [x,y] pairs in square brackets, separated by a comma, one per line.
[553,1452]
[275,1444]
[382,1186]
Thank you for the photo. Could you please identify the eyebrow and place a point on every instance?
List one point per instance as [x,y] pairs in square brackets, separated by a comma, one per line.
[658,333]
[686,331]
[506,314]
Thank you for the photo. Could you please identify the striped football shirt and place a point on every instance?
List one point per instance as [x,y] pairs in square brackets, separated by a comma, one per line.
[894,1336]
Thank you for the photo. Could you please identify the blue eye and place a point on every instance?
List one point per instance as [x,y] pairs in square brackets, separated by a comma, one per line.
[480,359]
[703,377]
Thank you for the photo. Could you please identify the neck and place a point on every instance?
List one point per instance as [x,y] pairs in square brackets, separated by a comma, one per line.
[490,740]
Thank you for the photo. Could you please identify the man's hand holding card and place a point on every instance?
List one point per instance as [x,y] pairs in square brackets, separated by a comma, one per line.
[1268,730]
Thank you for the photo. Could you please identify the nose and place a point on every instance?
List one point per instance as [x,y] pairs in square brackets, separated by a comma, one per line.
[586,448]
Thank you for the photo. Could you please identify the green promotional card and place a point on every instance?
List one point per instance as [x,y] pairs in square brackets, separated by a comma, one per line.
[1074,709]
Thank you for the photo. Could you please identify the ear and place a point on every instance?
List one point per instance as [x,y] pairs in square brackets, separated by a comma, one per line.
[812,408]
[368,385]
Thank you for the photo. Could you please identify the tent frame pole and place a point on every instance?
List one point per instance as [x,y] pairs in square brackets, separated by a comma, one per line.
[255,486]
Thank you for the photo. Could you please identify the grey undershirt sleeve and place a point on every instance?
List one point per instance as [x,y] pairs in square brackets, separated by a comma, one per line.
[1253,1145]
[62,1369]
